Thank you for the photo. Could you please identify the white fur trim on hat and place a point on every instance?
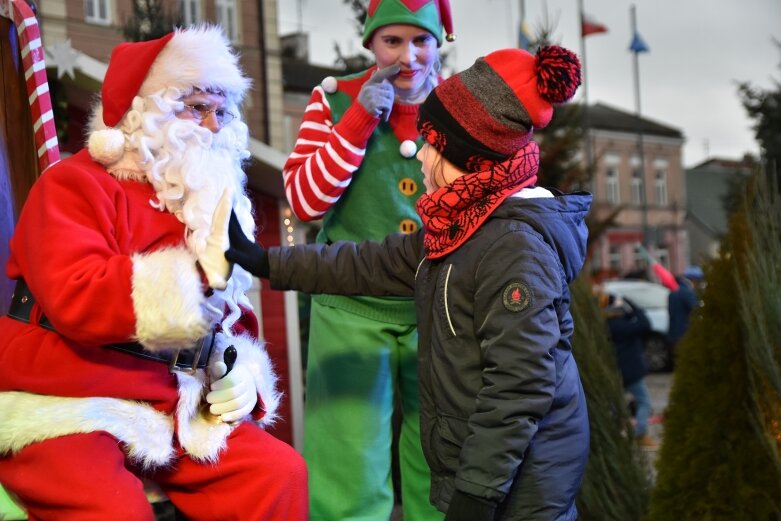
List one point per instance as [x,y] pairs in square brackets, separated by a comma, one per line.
[106,146]
[198,56]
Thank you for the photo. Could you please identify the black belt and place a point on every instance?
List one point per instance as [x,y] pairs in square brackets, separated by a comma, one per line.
[184,360]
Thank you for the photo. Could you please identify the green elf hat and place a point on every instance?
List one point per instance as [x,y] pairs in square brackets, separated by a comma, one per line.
[431,15]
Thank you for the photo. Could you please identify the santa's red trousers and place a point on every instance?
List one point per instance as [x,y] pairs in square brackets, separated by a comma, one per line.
[87,477]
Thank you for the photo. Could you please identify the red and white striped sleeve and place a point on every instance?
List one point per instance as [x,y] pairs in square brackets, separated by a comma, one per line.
[321,165]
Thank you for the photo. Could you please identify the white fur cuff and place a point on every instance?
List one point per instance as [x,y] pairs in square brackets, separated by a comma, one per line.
[167,299]
[253,355]
[202,439]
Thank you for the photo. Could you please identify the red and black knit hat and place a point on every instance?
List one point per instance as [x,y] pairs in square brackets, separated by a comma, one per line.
[487,112]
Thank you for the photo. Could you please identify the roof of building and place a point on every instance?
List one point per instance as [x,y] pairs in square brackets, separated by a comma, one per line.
[744,165]
[604,117]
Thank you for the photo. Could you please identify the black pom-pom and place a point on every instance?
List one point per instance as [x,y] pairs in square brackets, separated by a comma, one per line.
[558,73]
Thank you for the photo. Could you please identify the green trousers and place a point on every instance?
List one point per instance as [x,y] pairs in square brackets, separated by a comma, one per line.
[9,508]
[355,365]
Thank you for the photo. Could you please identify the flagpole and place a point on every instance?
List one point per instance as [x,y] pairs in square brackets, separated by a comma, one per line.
[640,151]
[586,117]
[523,37]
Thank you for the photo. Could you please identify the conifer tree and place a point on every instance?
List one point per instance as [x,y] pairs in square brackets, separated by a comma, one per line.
[764,107]
[560,144]
[616,483]
[720,455]
[149,21]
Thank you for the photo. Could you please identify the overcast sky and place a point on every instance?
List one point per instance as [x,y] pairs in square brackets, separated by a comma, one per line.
[699,50]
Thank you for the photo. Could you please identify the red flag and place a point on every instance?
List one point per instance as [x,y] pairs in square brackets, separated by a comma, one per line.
[665,277]
[588,25]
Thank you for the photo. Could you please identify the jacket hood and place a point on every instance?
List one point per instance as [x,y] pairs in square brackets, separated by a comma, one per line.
[560,220]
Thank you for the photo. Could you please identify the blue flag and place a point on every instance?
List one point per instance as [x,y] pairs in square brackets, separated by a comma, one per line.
[638,44]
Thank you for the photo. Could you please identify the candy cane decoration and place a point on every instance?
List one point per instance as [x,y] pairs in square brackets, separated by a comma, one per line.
[35,77]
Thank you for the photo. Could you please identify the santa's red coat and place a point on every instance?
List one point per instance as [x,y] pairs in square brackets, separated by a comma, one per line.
[105,266]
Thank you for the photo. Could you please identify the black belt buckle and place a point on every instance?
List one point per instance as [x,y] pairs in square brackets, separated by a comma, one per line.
[199,349]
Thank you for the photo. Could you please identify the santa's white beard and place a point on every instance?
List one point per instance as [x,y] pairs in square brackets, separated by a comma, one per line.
[190,168]
[189,175]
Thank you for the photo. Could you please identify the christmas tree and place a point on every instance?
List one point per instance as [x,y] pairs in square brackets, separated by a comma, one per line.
[720,455]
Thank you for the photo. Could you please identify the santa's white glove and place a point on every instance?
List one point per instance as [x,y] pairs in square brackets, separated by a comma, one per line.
[233,396]
[212,256]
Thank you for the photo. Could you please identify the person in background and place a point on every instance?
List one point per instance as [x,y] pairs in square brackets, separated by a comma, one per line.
[681,303]
[504,424]
[354,167]
[131,350]
[627,324]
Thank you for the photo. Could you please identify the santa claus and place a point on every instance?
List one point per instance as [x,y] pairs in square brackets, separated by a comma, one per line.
[131,349]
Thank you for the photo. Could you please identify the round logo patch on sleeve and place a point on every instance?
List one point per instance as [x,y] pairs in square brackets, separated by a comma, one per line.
[516,297]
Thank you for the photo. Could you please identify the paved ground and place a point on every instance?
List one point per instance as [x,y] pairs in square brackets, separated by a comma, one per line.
[659,386]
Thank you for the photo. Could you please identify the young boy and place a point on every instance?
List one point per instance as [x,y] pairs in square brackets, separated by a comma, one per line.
[504,425]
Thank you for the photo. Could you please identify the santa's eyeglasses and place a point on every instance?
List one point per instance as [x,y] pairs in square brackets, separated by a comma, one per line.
[201,111]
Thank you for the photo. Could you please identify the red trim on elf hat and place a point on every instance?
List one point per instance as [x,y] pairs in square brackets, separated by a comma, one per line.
[446,16]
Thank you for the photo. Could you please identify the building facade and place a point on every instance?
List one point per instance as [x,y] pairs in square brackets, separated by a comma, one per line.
[639,191]
[708,186]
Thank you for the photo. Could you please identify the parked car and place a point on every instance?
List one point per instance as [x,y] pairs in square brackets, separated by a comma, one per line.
[652,298]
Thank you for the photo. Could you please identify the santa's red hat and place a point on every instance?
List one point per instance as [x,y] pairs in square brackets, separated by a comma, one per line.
[195,57]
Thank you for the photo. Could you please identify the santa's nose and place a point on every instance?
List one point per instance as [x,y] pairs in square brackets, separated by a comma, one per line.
[211,122]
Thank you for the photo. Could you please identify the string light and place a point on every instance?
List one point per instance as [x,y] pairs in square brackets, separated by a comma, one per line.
[289,227]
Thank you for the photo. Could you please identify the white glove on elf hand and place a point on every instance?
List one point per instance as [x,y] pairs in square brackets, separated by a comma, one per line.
[232,397]
[377,93]
[211,257]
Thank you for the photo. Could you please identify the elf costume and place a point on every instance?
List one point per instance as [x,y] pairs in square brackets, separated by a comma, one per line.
[359,174]
[105,352]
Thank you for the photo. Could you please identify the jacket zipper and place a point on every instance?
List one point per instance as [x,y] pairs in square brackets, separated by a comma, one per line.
[447,309]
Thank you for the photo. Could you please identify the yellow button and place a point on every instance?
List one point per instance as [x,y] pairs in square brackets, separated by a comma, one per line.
[408,186]
[408,226]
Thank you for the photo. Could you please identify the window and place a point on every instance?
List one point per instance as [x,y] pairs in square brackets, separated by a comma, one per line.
[663,256]
[227,17]
[637,181]
[97,11]
[614,258]
[660,181]
[596,260]
[612,188]
[190,11]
